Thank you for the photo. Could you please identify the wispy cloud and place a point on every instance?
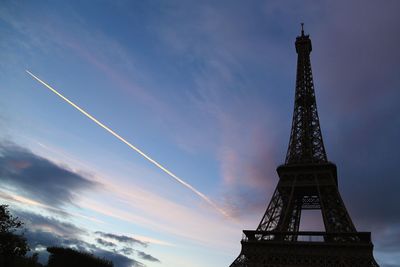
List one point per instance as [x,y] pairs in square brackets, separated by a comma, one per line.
[147,257]
[105,243]
[123,239]
[245,148]
[179,221]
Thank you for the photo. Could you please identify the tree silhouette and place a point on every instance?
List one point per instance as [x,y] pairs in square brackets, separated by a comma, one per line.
[12,244]
[66,257]
[13,248]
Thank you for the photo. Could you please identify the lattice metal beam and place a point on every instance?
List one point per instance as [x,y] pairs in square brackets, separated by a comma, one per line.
[306,144]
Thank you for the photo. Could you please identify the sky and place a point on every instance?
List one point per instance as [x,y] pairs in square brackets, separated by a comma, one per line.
[206,89]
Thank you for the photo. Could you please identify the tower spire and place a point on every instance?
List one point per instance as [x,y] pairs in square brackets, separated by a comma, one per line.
[305,144]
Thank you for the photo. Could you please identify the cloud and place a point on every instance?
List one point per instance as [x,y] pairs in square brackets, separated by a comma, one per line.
[389,239]
[118,259]
[40,239]
[122,238]
[36,222]
[39,178]
[42,232]
[105,243]
[228,70]
[179,221]
[238,136]
[127,251]
[147,257]
[144,256]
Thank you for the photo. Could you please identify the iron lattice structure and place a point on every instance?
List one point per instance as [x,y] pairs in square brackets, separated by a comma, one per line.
[305,145]
[307,181]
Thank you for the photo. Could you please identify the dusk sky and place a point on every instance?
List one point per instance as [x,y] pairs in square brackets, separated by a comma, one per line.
[206,88]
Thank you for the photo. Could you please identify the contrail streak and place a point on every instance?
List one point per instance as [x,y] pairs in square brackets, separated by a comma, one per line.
[176,178]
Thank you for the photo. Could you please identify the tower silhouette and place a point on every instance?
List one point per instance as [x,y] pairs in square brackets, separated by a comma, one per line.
[307,181]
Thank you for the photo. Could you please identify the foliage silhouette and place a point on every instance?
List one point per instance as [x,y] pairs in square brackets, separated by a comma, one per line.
[21,261]
[65,257]
[12,245]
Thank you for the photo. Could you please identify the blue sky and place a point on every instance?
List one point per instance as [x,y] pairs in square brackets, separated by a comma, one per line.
[206,88]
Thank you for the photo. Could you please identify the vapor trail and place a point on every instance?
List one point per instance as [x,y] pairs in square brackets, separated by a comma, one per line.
[176,178]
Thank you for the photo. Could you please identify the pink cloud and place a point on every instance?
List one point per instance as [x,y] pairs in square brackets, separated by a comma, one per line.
[144,208]
[20,164]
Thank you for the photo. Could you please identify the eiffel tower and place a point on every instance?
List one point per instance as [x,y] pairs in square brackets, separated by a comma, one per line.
[307,181]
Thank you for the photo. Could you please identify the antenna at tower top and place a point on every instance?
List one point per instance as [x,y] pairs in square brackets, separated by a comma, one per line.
[302,29]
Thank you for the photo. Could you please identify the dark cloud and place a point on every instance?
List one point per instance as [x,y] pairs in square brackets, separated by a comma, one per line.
[35,221]
[39,239]
[42,232]
[389,239]
[39,178]
[127,251]
[118,259]
[122,238]
[105,243]
[360,115]
[147,257]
